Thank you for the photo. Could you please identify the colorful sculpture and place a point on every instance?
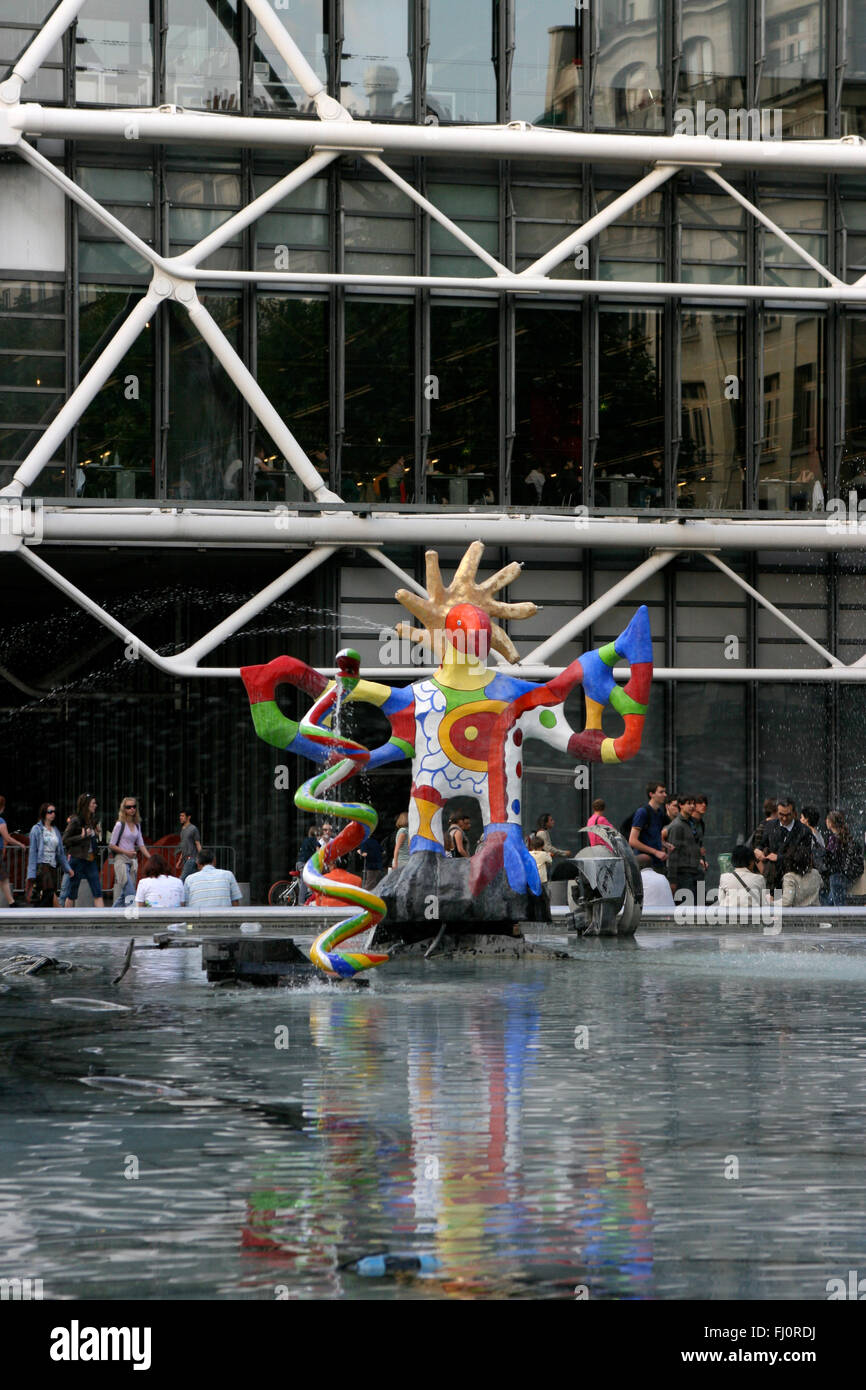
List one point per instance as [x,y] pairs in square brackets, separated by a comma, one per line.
[464,728]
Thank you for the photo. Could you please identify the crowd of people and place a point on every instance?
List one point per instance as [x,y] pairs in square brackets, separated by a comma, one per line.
[798,860]
[58,863]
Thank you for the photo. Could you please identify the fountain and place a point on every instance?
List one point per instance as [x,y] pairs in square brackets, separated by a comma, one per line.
[463,729]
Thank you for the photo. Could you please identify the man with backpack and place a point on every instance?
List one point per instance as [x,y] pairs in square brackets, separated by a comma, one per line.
[645,835]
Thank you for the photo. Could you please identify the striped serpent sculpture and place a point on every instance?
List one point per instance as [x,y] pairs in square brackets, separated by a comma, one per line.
[463,729]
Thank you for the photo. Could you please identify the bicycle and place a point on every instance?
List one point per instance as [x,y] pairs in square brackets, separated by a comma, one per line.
[286,891]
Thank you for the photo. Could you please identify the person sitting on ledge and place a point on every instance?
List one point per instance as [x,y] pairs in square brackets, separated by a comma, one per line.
[741,886]
[211,887]
[801,882]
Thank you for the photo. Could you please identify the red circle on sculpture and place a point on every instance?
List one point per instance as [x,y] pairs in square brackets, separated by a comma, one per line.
[520,769]
[518,738]
[470,735]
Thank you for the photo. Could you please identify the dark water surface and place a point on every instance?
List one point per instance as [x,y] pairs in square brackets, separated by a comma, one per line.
[702,1138]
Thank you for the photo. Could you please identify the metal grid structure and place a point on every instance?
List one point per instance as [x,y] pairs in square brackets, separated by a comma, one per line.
[323,529]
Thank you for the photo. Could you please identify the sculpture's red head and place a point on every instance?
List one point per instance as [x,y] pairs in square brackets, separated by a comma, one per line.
[468,630]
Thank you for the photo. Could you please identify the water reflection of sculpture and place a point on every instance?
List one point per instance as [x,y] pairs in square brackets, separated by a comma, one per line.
[464,727]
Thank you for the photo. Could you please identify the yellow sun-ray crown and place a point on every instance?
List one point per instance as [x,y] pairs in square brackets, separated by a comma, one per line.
[432,610]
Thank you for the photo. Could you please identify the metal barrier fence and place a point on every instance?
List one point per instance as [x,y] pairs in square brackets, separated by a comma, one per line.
[16,863]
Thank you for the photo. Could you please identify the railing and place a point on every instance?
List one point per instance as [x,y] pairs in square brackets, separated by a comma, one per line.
[16,862]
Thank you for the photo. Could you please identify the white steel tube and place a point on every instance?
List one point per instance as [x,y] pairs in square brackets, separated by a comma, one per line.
[482,141]
[286,47]
[438,215]
[609,599]
[168,524]
[820,675]
[514,283]
[51,32]
[81,397]
[408,580]
[771,226]
[596,224]
[253,211]
[258,402]
[254,606]
[771,608]
[85,201]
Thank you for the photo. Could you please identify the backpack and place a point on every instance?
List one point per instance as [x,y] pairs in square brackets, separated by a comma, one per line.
[625,828]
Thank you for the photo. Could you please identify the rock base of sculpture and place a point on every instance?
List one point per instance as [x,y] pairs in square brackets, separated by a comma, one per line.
[431,890]
[461,945]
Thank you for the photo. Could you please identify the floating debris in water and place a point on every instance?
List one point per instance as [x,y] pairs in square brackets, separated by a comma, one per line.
[25,964]
[375,1266]
[92,1006]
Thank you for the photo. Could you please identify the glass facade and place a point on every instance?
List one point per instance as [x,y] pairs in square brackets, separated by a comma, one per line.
[718,406]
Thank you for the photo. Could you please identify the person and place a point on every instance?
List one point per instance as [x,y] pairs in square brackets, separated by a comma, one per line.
[5,840]
[126,844]
[536,480]
[306,850]
[843,861]
[190,844]
[81,842]
[210,887]
[457,842]
[541,856]
[598,818]
[158,886]
[645,836]
[811,816]
[401,843]
[372,864]
[742,885]
[656,889]
[700,830]
[45,855]
[801,882]
[776,839]
[685,852]
[770,814]
[672,810]
[543,828]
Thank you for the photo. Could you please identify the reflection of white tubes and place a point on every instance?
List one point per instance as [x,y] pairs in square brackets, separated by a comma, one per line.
[83,394]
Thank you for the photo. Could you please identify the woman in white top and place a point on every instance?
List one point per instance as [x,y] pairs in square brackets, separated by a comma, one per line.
[801,882]
[543,829]
[742,886]
[158,888]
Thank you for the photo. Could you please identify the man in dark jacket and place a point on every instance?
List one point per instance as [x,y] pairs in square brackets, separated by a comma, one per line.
[685,861]
[775,840]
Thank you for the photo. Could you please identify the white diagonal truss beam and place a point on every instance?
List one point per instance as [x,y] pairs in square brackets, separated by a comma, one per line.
[538,656]
[774,228]
[771,608]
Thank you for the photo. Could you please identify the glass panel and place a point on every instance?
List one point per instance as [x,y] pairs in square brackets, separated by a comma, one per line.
[852,773]
[13,42]
[379,433]
[791,472]
[115,434]
[713,239]
[853,466]
[463,454]
[706,730]
[114,54]
[804,219]
[202,65]
[547,459]
[32,374]
[475,208]
[633,247]
[204,435]
[461,82]
[795,66]
[854,83]
[380,231]
[629,468]
[376,76]
[275,89]
[293,373]
[793,743]
[546,74]
[713,64]
[712,461]
[629,94]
